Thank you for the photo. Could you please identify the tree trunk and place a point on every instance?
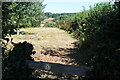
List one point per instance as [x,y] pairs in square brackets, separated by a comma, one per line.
[18,30]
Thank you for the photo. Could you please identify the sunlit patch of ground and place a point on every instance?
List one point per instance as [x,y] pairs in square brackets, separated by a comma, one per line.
[51,44]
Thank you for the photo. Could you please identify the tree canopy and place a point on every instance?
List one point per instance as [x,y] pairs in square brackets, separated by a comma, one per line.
[18,14]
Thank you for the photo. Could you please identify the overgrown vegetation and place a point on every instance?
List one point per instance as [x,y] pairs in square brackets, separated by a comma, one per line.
[21,14]
[97,30]
[15,16]
[54,15]
[50,25]
[98,34]
[60,18]
[64,17]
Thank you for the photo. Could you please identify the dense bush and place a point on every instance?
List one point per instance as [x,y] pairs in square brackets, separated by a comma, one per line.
[50,25]
[98,33]
[14,16]
[17,14]
[65,26]
[78,25]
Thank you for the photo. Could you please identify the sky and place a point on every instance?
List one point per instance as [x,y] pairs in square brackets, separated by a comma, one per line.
[68,6]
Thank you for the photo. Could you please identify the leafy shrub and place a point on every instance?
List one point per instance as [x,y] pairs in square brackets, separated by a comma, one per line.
[98,34]
[105,50]
[50,25]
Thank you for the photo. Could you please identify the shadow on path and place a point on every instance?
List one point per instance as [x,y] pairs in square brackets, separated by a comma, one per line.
[74,54]
[14,65]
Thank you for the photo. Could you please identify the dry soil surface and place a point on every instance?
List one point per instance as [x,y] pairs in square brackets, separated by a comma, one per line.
[50,44]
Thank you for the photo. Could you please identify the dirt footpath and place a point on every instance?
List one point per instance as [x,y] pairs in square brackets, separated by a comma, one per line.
[50,44]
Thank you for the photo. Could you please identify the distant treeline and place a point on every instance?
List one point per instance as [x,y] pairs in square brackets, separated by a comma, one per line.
[60,17]
[54,15]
